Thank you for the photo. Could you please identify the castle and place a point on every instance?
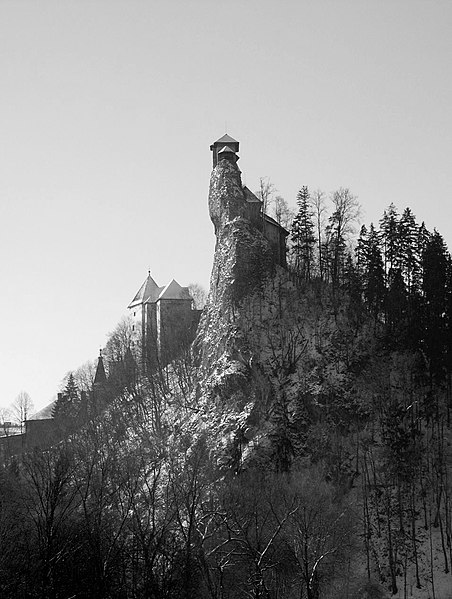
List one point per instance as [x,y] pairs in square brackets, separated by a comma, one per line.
[164,318]
[164,321]
[226,148]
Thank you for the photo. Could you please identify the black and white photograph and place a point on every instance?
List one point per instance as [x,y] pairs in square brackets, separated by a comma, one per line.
[226,299]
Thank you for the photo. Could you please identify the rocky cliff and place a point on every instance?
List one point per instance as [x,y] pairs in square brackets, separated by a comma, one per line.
[243,260]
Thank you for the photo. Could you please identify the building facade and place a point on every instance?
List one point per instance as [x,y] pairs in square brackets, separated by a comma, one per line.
[164,321]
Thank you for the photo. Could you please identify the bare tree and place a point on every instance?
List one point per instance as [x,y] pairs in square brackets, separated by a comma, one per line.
[49,499]
[84,375]
[5,415]
[346,212]
[317,199]
[282,213]
[265,193]
[120,340]
[244,537]
[22,408]
[198,294]
[320,532]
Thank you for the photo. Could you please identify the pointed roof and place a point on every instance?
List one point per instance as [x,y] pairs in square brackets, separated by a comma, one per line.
[275,223]
[174,291]
[147,294]
[250,196]
[226,139]
[100,377]
[44,413]
[226,149]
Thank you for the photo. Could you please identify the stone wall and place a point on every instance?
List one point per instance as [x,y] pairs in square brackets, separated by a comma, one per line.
[174,327]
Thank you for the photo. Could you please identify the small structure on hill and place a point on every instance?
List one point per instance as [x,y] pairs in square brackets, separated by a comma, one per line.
[225,147]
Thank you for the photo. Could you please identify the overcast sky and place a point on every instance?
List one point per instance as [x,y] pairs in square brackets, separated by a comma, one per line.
[107,111]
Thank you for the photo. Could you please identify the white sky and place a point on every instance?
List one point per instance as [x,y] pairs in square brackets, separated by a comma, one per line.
[107,111]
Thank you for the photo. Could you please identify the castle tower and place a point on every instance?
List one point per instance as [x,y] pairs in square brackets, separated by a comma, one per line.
[174,320]
[143,311]
[100,377]
[99,387]
[249,205]
[227,147]
[163,321]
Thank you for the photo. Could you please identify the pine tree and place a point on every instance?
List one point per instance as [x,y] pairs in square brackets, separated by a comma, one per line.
[361,250]
[67,406]
[302,235]
[409,260]
[389,228]
[423,238]
[448,326]
[396,305]
[371,269]
[374,285]
[435,262]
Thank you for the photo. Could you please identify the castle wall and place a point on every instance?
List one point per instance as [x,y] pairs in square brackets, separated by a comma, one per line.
[174,327]
[275,235]
[253,213]
[11,445]
[137,315]
[40,433]
[273,232]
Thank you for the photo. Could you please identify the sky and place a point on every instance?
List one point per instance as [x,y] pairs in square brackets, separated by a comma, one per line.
[107,112]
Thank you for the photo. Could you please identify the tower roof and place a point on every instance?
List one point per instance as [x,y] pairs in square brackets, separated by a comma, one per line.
[226,149]
[100,376]
[227,144]
[174,291]
[226,139]
[250,196]
[148,293]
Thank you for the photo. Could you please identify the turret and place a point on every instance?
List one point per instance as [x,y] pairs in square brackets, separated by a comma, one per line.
[225,147]
[100,378]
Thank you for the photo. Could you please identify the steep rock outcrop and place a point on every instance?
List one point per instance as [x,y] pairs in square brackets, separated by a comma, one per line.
[243,260]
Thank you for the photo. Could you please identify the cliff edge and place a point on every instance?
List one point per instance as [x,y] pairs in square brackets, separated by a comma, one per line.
[243,259]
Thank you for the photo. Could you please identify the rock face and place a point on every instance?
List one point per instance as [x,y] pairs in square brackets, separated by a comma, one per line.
[242,254]
[243,260]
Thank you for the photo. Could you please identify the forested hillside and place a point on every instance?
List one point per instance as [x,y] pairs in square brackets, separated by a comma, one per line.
[301,448]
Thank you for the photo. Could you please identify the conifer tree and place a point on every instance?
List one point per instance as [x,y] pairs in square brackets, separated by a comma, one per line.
[396,304]
[448,326]
[362,250]
[389,228]
[409,260]
[302,235]
[67,406]
[423,238]
[374,286]
[435,262]
[370,267]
